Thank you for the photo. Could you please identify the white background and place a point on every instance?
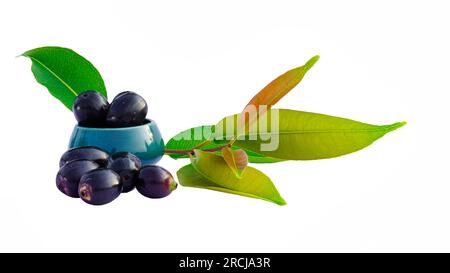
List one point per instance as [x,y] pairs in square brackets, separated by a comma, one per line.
[197,61]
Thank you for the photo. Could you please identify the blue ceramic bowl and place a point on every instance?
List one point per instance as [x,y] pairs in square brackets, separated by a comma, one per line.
[144,141]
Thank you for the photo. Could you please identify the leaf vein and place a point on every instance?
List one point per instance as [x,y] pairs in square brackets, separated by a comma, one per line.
[54,74]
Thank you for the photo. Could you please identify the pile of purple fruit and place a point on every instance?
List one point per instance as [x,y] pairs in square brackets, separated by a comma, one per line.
[95,176]
[98,178]
[91,109]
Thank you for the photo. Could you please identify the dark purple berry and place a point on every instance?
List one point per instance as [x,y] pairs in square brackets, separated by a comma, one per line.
[127,166]
[100,186]
[129,155]
[127,109]
[155,182]
[121,94]
[87,153]
[90,109]
[70,174]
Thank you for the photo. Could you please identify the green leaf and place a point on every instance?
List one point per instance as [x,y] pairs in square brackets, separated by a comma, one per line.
[253,182]
[258,158]
[189,177]
[307,136]
[65,73]
[188,139]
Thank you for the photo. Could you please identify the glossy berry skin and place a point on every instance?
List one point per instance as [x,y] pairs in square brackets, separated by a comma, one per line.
[121,94]
[127,166]
[99,187]
[155,182]
[87,153]
[90,109]
[127,109]
[69,176]
[128,155]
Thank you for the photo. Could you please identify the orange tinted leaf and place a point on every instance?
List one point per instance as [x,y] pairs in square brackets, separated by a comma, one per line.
[275,90]
[279,87]
[241,158]
[232,162]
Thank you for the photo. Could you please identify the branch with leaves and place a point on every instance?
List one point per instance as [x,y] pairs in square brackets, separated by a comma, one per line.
[301,136]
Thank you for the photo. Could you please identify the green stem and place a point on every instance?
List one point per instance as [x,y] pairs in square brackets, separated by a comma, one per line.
[173,151]
[191,151]
[206,142]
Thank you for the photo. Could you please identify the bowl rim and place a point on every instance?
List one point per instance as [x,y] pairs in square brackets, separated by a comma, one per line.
[148,122]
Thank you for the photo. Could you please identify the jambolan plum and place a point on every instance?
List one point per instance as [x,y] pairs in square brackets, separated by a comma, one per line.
[155,182]
[99,187]
[69,176]
[87,153]
[90,109]
[127,166]
[127,109]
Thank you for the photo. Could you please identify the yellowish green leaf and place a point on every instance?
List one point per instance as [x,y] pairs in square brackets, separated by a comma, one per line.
[214,168]
[297,135]
[188,176]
